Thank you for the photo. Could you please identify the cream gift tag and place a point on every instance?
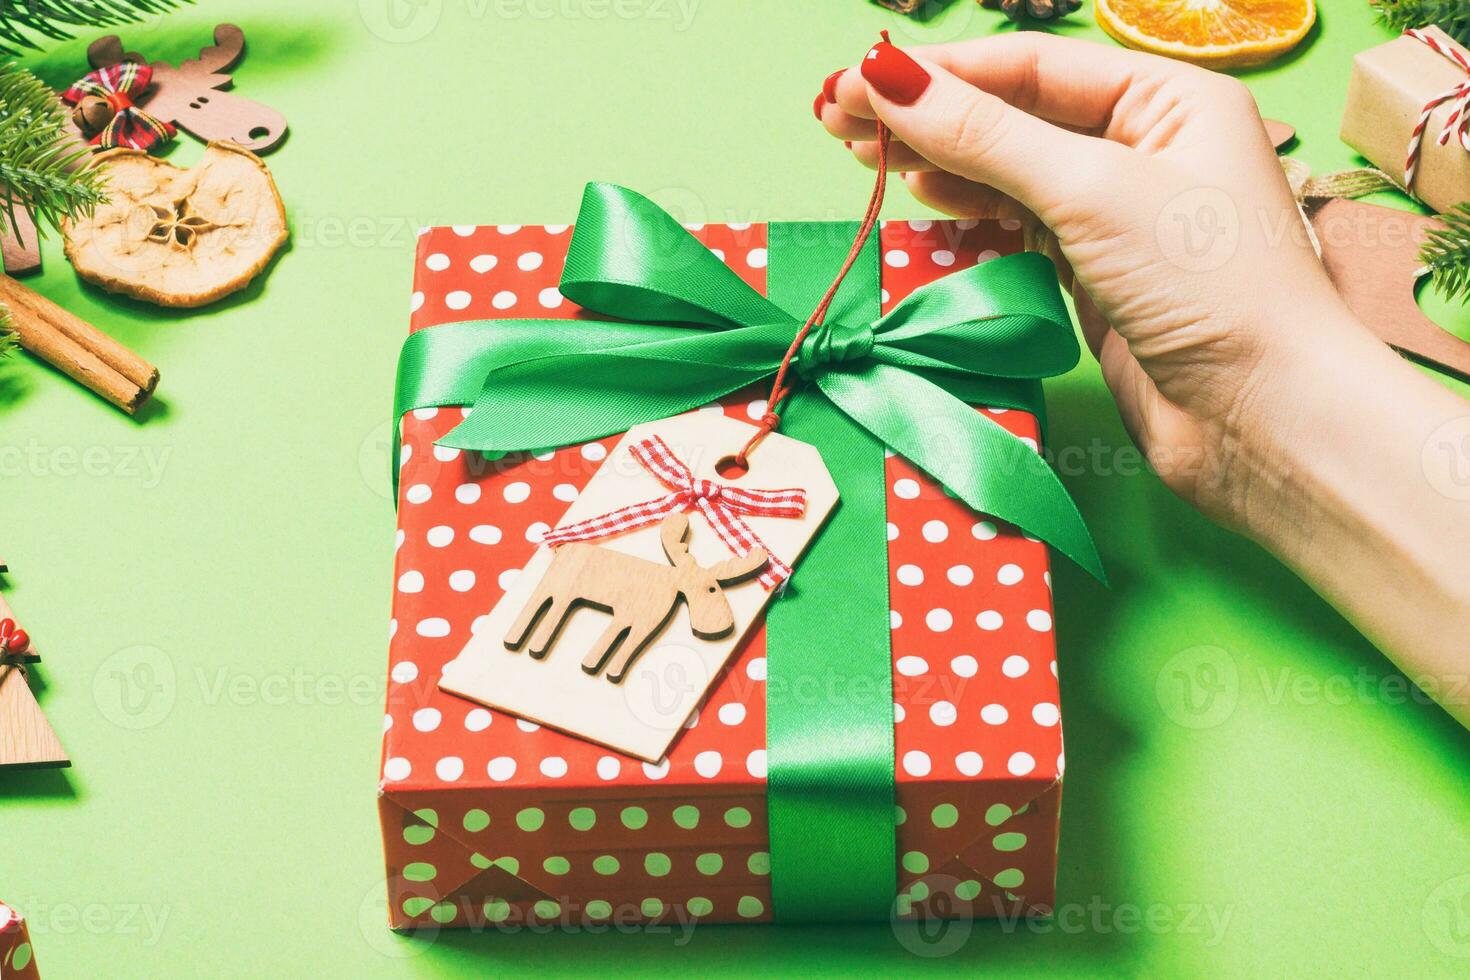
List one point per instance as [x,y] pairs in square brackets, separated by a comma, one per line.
[647,617]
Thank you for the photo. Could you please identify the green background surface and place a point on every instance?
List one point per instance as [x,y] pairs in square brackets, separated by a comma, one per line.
[1250,789]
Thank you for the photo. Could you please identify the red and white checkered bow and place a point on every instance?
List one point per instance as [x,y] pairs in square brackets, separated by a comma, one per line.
[1458,123]
[721,504]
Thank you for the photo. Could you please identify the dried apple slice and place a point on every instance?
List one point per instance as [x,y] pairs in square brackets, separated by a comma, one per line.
[179,237]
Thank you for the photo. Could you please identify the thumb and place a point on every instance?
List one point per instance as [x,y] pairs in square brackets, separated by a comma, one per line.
[974,134]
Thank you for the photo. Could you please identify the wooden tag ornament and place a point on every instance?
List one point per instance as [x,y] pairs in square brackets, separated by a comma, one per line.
[617,639]
[191,97]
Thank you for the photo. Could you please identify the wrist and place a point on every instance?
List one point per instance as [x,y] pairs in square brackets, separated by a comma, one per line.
[1352,473]
[1289,440]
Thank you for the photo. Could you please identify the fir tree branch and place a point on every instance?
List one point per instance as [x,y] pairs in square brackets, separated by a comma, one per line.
[1446,254]
[1453,16]
[20,19]
[39,163]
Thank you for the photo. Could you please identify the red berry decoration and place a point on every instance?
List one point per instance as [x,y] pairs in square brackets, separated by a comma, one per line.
[13,641]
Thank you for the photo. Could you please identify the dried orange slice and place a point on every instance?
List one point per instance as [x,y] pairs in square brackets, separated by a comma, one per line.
[1213,33]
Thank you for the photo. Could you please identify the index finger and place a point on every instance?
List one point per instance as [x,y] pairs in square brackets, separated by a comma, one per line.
[1073,83]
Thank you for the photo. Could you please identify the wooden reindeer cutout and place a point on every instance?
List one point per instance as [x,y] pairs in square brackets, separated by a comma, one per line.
[189,96]
[641,596]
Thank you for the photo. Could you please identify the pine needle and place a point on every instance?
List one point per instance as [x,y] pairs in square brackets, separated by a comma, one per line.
[38,163]
[1446,254]
[20,20]
[1453,16]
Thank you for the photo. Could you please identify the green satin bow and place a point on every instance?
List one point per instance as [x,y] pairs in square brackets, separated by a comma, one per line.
[985,335]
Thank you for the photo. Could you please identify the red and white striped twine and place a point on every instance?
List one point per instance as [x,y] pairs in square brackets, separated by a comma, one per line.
[721,504]
[1458,122]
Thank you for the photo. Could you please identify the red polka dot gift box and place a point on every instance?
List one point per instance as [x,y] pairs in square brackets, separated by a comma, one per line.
[490,821]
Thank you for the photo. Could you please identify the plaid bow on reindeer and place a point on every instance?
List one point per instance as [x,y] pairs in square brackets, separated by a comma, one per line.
[111,112]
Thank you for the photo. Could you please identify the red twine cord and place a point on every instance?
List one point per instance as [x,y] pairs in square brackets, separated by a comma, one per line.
[779,389]
[1458,123]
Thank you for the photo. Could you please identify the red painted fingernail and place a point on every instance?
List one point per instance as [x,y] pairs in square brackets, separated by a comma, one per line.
[896,76]
[6,627]
[19,642]
[829,87]
[817,104]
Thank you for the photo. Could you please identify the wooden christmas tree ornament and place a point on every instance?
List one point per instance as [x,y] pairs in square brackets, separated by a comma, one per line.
[27,740]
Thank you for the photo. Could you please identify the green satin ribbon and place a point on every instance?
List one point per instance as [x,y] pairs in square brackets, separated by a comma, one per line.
[696,332]
[829,665]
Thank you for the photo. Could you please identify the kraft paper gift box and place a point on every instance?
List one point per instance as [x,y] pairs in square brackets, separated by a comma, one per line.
[1389,87]
[490,822]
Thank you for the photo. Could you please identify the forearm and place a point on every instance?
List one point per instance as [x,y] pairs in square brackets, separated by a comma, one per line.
[1355,471]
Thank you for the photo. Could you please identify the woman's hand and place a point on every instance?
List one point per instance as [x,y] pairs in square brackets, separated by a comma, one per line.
[1153,185]
[1237,368]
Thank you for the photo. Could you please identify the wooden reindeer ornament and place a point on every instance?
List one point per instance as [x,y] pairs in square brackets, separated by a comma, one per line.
[641,596]
[190,95]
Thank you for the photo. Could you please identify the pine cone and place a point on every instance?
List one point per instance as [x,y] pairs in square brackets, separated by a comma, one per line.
[1038,9]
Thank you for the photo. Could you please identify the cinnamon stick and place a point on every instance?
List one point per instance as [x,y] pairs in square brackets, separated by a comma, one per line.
[78,349]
